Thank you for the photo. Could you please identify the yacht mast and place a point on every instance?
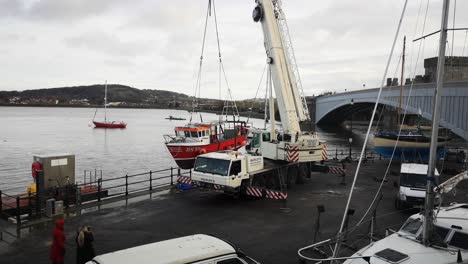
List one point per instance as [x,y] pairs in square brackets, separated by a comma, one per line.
[105,102]
[431,180]
[401,80]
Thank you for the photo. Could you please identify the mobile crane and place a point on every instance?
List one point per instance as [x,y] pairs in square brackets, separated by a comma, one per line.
[276,157]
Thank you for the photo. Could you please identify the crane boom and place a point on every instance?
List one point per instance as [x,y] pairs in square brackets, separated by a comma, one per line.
[298,91]
[294,143]
[290,105]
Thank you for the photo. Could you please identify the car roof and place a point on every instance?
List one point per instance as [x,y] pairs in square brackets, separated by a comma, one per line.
[174,251]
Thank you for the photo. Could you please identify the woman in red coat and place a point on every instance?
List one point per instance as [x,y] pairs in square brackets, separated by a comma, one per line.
[57,250]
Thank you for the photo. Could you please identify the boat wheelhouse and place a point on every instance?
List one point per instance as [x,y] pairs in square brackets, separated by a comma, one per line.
[193,139]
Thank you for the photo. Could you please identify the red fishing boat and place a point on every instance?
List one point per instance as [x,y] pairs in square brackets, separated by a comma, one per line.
[193,139]
[105,123]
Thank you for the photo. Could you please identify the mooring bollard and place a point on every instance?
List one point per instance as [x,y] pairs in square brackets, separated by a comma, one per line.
[126,184]
[18,211]
[29,205]
[151,180]
[172,180]
[99,189]
[320,209]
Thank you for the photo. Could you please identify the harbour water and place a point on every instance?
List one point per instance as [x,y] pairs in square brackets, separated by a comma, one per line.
[27,131]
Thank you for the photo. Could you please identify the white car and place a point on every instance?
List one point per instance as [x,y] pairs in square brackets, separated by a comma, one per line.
[199,249]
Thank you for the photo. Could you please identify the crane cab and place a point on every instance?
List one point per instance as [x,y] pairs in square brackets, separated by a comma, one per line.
[290,148]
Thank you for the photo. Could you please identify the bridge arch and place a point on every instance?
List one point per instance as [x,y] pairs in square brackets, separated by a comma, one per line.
[454,105]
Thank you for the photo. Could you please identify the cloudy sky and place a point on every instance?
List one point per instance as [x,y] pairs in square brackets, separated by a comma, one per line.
[155,44]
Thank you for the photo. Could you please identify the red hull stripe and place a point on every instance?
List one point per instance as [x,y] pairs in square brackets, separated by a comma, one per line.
[109,125]
[191,152]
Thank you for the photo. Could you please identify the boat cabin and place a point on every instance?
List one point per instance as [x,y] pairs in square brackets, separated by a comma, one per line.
[192,132]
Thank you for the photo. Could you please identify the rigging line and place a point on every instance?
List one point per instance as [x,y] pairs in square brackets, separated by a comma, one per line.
[388,92]
[198,82]
[256,93]
[421,45]
[229,90]
[219,47]
[453,32]
[95,112]
[415,32]
[464,43]
[364,145]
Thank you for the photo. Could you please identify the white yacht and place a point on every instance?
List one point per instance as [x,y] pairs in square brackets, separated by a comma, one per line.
[450,241]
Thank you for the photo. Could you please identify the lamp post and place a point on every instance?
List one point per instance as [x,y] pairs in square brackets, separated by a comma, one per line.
[350,139]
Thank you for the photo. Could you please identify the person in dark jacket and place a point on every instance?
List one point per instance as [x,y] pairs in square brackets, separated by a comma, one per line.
[57,250]
[84,245]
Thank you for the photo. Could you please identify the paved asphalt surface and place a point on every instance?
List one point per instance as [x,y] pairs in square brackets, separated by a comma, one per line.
[263,228]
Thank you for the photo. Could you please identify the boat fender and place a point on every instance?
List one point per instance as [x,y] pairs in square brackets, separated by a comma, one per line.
[35,167]
[202,151]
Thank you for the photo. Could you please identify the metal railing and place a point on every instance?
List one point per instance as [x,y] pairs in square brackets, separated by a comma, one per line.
[90,190]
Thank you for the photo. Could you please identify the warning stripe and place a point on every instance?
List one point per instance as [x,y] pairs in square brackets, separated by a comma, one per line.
[336,170]
[293,154]
[277,195]
[324,152]
[217,187]
[254,191]
[184,179]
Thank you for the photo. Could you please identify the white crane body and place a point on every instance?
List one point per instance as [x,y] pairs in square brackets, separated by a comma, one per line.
[291,144]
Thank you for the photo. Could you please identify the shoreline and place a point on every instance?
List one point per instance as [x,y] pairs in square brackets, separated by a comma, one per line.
[241,113]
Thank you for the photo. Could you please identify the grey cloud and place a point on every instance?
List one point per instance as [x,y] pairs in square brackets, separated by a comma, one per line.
[11,8]
[108,44]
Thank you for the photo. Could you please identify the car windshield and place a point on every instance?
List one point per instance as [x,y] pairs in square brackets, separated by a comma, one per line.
[214,166]
[413,180]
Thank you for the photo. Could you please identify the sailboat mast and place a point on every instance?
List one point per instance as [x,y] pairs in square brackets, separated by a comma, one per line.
[430,195]
[401,79]
[105,102]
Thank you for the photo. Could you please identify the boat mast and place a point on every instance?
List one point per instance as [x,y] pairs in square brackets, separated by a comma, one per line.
[401,80]
[105,102]
[431,177]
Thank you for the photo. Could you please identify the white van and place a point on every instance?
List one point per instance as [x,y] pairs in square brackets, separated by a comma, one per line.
[412,185]
[199,249]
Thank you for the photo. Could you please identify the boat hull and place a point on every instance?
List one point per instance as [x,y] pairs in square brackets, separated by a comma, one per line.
[109,125]
[414,150]
[184,154]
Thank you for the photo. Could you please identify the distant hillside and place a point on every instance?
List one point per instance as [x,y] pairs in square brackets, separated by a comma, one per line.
[117,95]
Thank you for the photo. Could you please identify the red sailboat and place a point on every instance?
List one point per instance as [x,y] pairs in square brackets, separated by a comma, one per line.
[105,123]
[194,139]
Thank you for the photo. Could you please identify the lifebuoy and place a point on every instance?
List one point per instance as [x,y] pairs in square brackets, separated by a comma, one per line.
[35,166]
